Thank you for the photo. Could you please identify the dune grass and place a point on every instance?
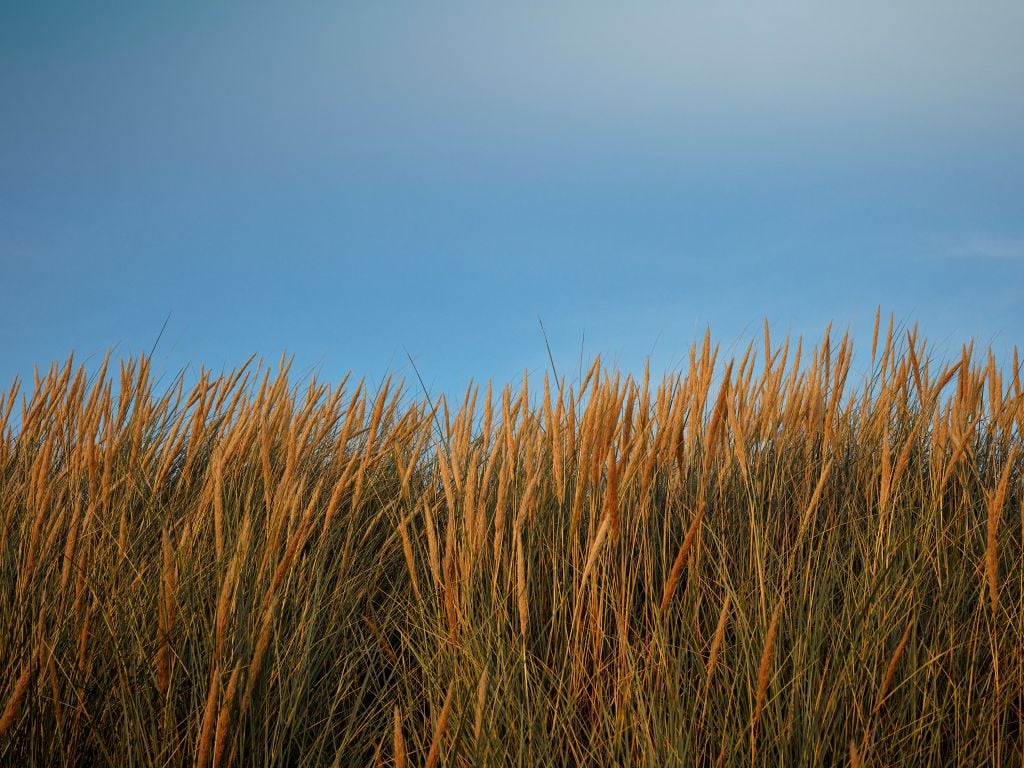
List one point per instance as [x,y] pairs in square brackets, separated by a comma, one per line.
[768,561]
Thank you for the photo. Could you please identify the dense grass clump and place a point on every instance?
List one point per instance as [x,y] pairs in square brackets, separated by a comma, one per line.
[770,561]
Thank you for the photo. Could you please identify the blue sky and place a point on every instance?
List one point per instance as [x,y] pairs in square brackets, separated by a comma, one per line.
[351,181]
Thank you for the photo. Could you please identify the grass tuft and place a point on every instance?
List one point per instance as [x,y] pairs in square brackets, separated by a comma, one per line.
[778,559]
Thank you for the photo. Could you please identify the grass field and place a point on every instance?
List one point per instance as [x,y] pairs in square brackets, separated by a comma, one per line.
[773,560]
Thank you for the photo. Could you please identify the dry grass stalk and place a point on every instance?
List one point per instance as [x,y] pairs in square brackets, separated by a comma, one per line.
[14,704]
[996,502]
[717,640]
[410,560]
[680,561]
[223,610]
[224,718]
[442,723]
[399,740]
[205,741]
[481,698]
[890,670]
[166,614]
[855,761]
[763,678]
[887,680]
[218,507]
[522,596]
[260,651]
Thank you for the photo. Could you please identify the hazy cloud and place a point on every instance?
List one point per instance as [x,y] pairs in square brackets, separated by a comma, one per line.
[659,69]
[708,76]
[991,248]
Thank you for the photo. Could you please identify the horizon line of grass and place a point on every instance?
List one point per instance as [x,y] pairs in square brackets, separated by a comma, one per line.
[749,561]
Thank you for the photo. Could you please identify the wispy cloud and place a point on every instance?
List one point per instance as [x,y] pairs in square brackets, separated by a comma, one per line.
[990,249]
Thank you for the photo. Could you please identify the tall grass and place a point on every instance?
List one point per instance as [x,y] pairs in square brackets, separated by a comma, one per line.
[761,561]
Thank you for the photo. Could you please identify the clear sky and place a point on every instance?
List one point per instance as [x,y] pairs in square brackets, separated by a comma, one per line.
[350,180]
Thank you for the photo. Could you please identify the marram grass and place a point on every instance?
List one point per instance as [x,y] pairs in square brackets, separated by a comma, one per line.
[773,560]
